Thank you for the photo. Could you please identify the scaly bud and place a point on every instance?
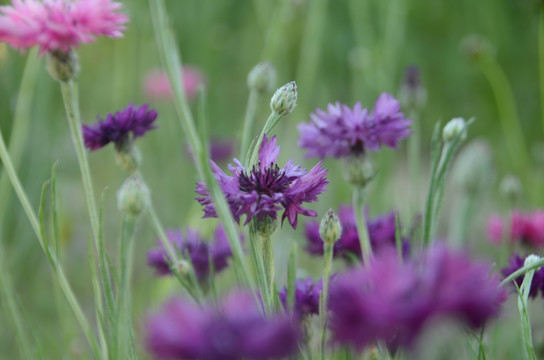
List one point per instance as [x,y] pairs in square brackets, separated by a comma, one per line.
[284,99]
[453,128]
[62,66]
[133,197]
[262,78]
[330,228]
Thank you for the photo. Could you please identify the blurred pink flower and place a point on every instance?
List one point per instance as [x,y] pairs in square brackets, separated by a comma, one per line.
[59,24]
[157,86]
[525,227]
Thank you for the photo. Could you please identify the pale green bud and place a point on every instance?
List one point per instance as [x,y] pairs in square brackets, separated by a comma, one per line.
[284,100]
[472,170]
[129,160]
[330,228]
[358,170]
[453,128]
[265,226]
[511,188]
[262,78]
[531,259]
[62,66]
[133,197]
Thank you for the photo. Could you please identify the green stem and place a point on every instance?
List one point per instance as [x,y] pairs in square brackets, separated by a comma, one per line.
[270,123]
[33,219]
[522,271]
[251,110]
[362,230]
[257,256]
[541,59]
[327,269]
[268,259]
[414,159]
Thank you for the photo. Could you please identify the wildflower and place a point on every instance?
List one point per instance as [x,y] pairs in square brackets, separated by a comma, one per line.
[381,230]
[392,302]
[156,84]
[59,25]
[266,188]
[220,149]
[118,127]
[234,330]
[527,228]
[341,131]
[196,248]
[515,263]
[306,298]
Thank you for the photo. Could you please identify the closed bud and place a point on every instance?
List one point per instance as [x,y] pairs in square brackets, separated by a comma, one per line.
[330,228]
[133,197]
[265,226]
[262,78]
[284,100]
[412,93]
[61,65]
[129,159]
[531,259]
[181,267]
[358,170]
[477,47]
[472,171]
[454,128]
[511,188]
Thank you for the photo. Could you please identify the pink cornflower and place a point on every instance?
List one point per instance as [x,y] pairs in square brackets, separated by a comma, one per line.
[156,84]
[527,228]
[58,24]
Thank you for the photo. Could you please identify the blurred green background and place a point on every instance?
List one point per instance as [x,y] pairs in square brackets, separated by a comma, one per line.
[342,50]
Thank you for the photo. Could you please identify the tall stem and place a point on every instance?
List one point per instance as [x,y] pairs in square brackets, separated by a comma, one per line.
[251,109]
[541,59]
[268,257]
[327,269]
[362,230]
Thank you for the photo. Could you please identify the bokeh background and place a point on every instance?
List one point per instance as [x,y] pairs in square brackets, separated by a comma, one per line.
[476,59]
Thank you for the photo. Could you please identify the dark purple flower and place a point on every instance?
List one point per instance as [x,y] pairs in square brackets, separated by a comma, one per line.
[341,131]
[267,188]
[515,263]
[392,302]
[306,299]
[236,329]
[118,127]
[198,250]
[381,231]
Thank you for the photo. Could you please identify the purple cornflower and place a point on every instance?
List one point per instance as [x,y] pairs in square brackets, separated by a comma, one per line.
[118,127]
[341,131]
[306,299]
[515,263]
[381,230]
[392,302]
[234,330]
[220,150]
[198,250]
[266,188]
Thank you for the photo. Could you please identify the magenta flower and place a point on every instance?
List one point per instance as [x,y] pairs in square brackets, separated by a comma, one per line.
[118,127]
[392,302]
[267,188]
[515,263]
[381,230]
[527,228]
[156,84]
[234,330]
[306,299]
[341,131]
[199,251]
[59,24]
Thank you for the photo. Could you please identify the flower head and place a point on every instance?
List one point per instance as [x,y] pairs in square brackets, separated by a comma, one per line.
[306,297]
[198,250]
[234,330]
[515,263]
[266,188]
[220,150]
[381,230]
[341,131]
[392,302]
[527,228]
[118,127]
[59,24]
[156,84]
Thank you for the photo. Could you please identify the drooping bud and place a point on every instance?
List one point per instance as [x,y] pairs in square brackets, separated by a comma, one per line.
[412,93]
[358,170]
[473,168]
[330,228]
[453,128]
[61,65]
[511,188]
[284,100]
[133,197]
[262,78]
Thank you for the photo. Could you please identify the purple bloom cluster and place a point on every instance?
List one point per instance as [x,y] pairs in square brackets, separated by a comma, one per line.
[198,250]
[236,329]
[392,302]
[266,188]
[381,231]
[306,299]
[515,263]
[341,131]
[117,127]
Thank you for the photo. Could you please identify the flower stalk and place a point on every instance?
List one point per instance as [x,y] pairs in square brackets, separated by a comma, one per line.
[362,230]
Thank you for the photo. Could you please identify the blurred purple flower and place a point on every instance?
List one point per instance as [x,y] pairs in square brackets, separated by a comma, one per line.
[118,127]
[515,263]
[266,189]
[527,228]
[234,330]
[381,231]
[306,297]
[341,131]
[392,302]
[156,84]
[220,149]
[198,249]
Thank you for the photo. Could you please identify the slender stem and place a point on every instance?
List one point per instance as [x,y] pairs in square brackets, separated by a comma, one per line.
[414,159]
[541,59]
[31,215]
[268,259]
[270,123]
[362,230]
[522,271]
[327,269]
[251,110]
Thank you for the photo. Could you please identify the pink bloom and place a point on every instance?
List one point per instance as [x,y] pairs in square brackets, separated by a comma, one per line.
[527,228]
[157,85]
[495,228]
[59,24]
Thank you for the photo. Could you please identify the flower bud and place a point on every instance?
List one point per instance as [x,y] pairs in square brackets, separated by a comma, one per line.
[181,267]
[330,228]
[129,160]
[453,128]
[477,47]
[284,99]
[262,77]
[472,171]
[358,170]
[133,197]
[412,94]
[265,226]
[531,259]
[62,66]
[511,188]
